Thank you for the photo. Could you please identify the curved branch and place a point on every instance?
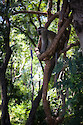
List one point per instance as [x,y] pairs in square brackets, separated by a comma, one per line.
[49,8]
[68,47]
[30,11]
[56,15]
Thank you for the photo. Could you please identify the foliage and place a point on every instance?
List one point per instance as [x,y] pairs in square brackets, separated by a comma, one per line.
[22,88]
[71,85]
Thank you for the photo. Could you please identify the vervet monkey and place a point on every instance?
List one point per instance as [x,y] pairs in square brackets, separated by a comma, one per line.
[46,38]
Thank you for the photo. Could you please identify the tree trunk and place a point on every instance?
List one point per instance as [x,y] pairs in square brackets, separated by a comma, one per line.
[77,8]
[5,120]
[30,120]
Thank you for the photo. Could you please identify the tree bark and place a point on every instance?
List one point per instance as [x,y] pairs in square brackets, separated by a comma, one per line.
[30,120]
[77,8]
[5,120]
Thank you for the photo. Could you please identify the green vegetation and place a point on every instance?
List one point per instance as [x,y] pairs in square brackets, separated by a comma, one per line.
[24,73]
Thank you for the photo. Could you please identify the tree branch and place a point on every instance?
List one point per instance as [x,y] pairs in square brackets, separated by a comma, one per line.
[49,66]
[62,13]
[58,5]
[29,11]
[68,47]
[49,8]
[56,15]
[34,108]
[38,14]
[26,34]
[31,21]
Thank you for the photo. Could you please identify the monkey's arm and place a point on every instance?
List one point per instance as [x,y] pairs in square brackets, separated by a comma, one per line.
[37,49]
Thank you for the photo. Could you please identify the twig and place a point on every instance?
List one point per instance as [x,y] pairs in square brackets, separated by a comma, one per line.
[20,71]
[26,34]
[31,21]
[38,14]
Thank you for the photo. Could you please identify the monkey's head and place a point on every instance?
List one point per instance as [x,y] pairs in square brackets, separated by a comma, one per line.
[40,30]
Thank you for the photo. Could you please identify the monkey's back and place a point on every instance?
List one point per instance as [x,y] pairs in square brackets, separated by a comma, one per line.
[51,35]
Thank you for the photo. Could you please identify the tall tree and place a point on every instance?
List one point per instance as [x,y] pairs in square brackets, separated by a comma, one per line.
[77,8]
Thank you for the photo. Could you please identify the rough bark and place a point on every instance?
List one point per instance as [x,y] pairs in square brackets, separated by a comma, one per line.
[49,65]
[30,120]
[58,45]
[77,8]
[5,120]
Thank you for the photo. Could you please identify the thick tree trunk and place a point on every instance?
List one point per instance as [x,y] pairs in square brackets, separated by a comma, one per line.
[77,7]
[30,120]
[5,120]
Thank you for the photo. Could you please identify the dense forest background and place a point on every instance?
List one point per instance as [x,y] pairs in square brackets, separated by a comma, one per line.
[23,72]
